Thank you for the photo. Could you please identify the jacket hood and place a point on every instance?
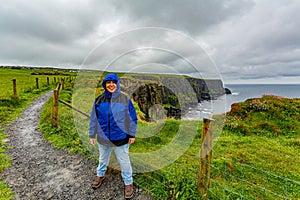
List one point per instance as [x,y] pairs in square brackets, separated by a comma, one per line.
[111,77]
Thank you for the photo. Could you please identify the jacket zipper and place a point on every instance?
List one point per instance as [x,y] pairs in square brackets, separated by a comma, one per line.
[108,115]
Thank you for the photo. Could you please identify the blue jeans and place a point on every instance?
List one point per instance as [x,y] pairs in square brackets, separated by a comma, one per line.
[122,155]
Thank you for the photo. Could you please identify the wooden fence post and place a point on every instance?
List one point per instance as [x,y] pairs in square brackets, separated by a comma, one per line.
[55,107]
[54,79]
[37,83]
[62,84]
[205,158]
[15,87]
[48,82]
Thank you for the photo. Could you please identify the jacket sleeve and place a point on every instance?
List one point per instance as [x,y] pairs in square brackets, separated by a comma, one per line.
[132,120]
[93,123]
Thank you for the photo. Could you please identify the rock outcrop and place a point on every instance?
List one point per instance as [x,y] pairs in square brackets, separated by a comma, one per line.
[167,95]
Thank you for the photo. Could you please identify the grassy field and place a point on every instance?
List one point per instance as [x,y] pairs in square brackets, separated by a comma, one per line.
[26,80]
[12,106]
[256,156]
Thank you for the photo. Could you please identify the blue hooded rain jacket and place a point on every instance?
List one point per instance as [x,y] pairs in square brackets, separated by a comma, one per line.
[113,118]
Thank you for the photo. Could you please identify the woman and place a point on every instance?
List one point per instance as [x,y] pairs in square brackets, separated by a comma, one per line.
[113,121]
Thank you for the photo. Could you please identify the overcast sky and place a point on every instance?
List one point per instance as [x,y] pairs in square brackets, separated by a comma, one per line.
[248,41]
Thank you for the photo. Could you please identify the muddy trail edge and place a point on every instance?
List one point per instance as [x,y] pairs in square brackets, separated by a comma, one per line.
[40,171]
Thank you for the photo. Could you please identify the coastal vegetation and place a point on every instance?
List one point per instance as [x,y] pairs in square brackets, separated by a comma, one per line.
[251,158]
[273,116]
[255,157]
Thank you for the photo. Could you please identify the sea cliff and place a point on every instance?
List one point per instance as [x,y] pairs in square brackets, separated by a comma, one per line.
[161,96]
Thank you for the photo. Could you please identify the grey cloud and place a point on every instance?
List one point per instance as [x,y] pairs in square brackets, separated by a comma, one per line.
[192,16]
[262,71]
[265,38]
[47,33]
[164,47]
[246,38]
[53,22]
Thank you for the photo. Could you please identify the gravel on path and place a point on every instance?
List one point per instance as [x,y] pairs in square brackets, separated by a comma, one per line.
[40,171]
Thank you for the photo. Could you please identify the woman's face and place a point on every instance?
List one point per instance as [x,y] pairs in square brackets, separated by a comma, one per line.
[111,86]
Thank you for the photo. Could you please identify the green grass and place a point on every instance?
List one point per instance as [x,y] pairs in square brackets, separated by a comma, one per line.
[26,80]
[251,163]
[256,157]
[269,116]
[5,161]
[241,164]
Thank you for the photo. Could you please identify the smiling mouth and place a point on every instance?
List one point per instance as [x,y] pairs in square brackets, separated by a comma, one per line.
[111,88]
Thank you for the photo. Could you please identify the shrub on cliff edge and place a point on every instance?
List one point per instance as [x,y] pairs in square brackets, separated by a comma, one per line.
[269,115]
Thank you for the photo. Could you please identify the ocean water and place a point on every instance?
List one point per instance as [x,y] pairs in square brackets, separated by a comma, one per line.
[239,94]
[242,92]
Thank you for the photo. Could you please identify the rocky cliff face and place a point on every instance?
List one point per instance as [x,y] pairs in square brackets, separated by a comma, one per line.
[169,96]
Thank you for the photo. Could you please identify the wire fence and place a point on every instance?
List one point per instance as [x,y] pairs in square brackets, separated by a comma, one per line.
[11,86]
[225,183]
[229,178]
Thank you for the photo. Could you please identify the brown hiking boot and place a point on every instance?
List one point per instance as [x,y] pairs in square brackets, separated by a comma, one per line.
[129,191]
[98,181]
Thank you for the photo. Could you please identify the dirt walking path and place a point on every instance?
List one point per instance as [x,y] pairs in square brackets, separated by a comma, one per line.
[39,171]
